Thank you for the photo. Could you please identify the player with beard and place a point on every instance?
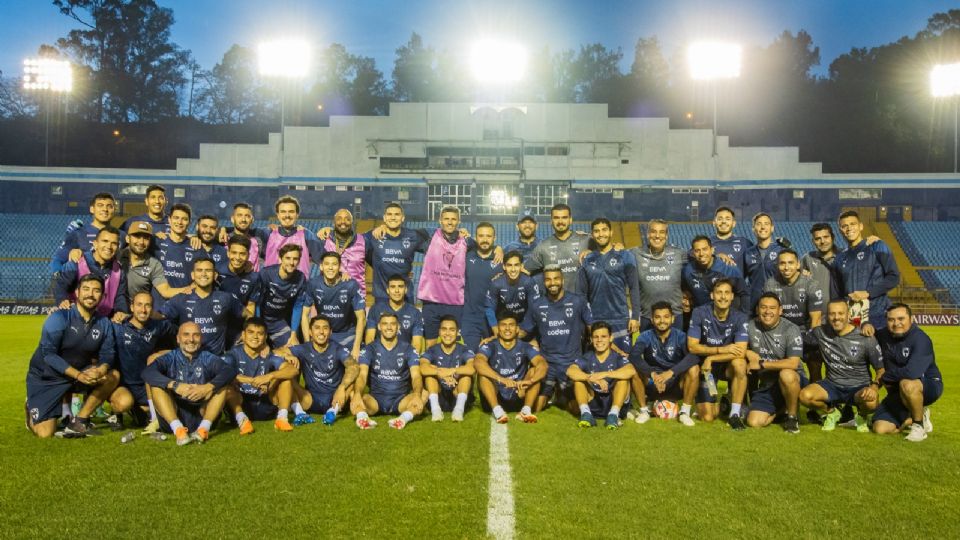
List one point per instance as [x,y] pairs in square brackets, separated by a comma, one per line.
[802,302]
[563,249]
[102,209]
[527,240]
[329,371]
[481,268]
[704,269]
[217,313]
[605,277]
[242,221]
[351,247]
[509,372]
[102,262]
[207,229]
[818,264]
[728,245]
[659,268]
[281,287]
[143,271]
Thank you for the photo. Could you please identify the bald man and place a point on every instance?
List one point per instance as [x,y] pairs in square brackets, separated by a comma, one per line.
[351,246]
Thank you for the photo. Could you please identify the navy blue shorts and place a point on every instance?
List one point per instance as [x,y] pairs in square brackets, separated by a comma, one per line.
[769,397]
[139,392]
[431,317]
[258,407]
[345,339]
[321,402]
[672,391]
[508,398]
[279,333]
[557,381]
[473,332]
[45,396]
[893,410]
[189,413]
[448,398]
[388,403]
[840,395]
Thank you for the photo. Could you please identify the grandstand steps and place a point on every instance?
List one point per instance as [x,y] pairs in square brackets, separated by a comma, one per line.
[631,234]
[909,277]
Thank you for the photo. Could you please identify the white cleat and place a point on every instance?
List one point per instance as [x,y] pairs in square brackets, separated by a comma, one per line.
[397,423]
[927,423]
[457,415]
[642,416]
[916,433]
[685,419]
[366,423]
[437,416]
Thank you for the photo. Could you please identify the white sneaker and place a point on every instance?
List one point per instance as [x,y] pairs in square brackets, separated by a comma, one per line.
[437,416]
[642,416]
[457,415]
[927,423]
[631,414]
[916,433]
[397,423]
[685,419]
[366,423]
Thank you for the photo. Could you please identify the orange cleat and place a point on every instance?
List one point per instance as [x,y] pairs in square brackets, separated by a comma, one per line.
[282,424]
[246,427]
[183,436]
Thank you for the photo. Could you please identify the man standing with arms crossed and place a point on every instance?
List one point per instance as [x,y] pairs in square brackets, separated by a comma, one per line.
[563,249]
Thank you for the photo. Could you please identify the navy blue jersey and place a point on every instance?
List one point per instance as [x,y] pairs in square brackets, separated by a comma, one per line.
[276,296]
[215,314]
[389,369]
[394,255]
[81,238]
[65,283]
[478,275]
[604,279]
[650,355]
[513,297]
[510,363]
[204,368]
[441,359]
[700,283]
[177,259]
[135,345]
[761,265]
[409,317]
[339,302]
[524,248]
[909,357]
[872,269]
[217,254]
[241,286]
[590,364]
[67,340]
[561,325]
[322,370]
[712,332]
[248,366]
[734,247]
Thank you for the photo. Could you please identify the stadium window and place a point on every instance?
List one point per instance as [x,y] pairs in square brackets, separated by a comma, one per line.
[860,193]
[299,188]
[533,150]
[56,191]
[558,150]
[624,161]
[798,194]
[136,189]
[318,188]
[618,194]
[179,193]
[343,188]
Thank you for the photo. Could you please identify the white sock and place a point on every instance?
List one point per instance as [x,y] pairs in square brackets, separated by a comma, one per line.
[65,410]
[282,414]
[461,402]
[205,424]
[335,408]
[175,425]
[406,416]
[153,410]
[498,412]
[525,410]
[241,417]
[297,409]
[361,415]
[735,409]
[614,411]
[434,403]
[685,409]
[585,409]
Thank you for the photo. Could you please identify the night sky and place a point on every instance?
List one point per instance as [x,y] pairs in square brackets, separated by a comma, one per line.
[376,28]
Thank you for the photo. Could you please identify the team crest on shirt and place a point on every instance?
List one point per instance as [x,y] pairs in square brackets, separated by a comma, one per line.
[854,350]
[670,259]
[613,263]
[35,414]
[727,331]
[861,255]
[198,372]
[343,297]
[736,247]
[217,308]
[905,351]
[522,295]
[143,271]
[244,288]
[188,256]
[406,243]
[406,324]
[568,312]
[670,351]
[95,333]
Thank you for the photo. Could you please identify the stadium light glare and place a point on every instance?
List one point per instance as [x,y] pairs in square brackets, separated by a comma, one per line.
[47,74]
[501,199]
[288,58]
[711,60]
[498,62]
[945,80]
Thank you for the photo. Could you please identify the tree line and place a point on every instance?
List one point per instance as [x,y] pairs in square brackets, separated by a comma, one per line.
[141,100]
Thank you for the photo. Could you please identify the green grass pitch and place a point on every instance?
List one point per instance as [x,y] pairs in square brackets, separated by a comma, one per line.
[659,480]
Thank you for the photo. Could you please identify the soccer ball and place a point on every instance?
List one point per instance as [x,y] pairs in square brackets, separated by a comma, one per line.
[666,409]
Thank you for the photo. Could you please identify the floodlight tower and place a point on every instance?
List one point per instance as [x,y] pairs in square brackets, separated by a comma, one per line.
[288,60]
[945,83]
[714,61]
[49,76]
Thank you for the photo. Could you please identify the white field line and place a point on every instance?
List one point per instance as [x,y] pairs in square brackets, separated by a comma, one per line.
[500,517]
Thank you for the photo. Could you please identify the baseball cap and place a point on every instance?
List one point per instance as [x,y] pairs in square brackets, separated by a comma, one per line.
[140,227]
[525,215]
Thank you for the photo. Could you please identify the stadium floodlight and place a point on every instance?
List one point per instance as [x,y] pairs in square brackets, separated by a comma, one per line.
[714,61]
[945,83]
[500,199]
[498,62]
[50,76]
[288,58]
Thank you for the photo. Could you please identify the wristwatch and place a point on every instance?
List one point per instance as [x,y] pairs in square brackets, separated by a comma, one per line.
[176,384]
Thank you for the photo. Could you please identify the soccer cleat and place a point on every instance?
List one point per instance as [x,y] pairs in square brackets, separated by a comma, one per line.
[246,427]
[78,428]
[183,436]
[200,435]
[457,415]
[830,420]
[847,418]
[791,424]
[365,423]
[587,420]
[503,419]
[282,424]
[151,428]
[397,423]
[527,418]
[642,416]
[613,421]
[437,416]
[814,417]
[917,433]
[328,419]
[736,423]
[927,423]
[304,418]
[863,426]
[115,422]
[685,419]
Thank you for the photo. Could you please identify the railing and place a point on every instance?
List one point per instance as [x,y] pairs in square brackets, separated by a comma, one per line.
[35,289]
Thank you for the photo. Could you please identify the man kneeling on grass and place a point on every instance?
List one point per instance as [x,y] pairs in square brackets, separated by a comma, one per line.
[509,372]
[601,380]
[447,369]
[189,386]
[393,369]
[263,387]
